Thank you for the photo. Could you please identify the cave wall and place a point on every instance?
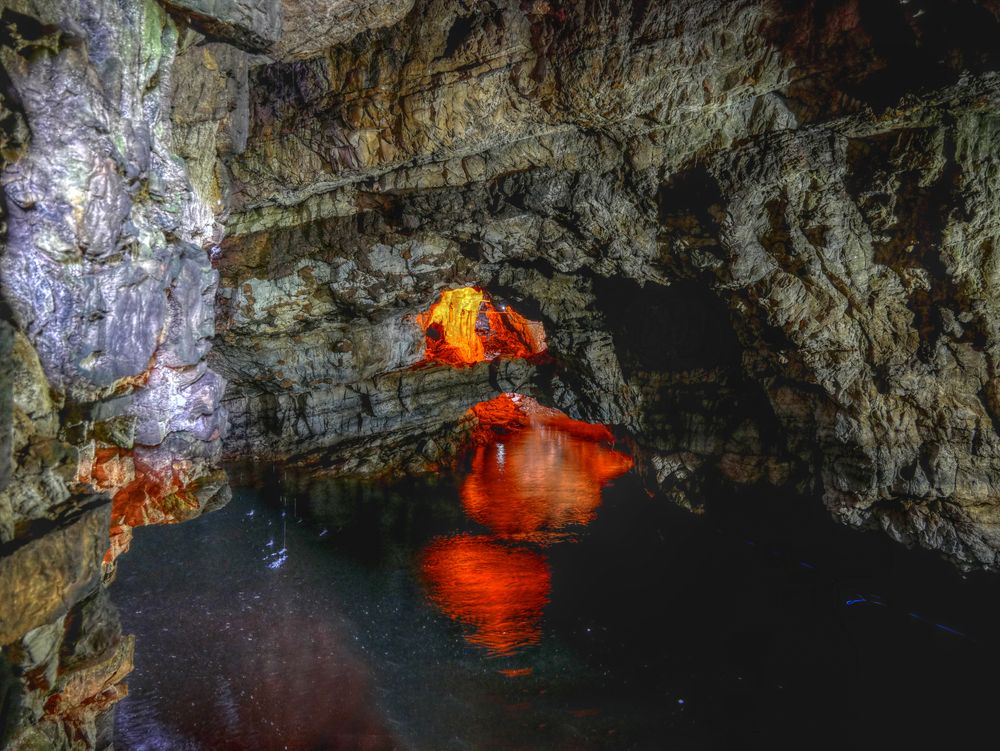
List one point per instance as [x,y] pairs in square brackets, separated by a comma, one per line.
[825,170]
[109,406]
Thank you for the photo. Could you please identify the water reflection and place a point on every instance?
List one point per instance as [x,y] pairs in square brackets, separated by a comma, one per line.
[497,590]
[540,476]
[342,647]
[251,656]
[538,482]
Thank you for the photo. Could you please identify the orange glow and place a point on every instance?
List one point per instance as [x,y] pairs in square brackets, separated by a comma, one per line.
[534,474]
[538,482]
[141,493]
[496,590]
[464,327]
[516,672]
[536,471]
[511,412]
[156,496]
[450,326]
[498,416]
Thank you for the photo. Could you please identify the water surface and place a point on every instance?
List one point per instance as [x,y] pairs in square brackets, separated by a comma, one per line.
[542,600]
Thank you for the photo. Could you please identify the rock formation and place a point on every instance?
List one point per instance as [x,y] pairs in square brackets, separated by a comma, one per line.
[760,237]
[805,185]
[109,311]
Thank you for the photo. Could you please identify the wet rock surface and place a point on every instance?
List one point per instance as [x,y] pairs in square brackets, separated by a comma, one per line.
[108,314]
[63,654]
[250,24]
[402,421]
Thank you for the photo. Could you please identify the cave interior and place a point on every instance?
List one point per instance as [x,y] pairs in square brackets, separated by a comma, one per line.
[414,374]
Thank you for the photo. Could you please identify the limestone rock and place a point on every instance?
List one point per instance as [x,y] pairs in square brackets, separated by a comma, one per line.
[39,579]
[820,180]
[310,27]
[253,25]
[107,316]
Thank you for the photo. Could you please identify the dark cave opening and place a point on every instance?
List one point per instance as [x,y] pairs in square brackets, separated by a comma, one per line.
[459,32]
[880,50]
[683,326]
[703,423]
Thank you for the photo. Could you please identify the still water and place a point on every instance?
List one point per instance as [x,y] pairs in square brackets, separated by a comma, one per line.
[541,599]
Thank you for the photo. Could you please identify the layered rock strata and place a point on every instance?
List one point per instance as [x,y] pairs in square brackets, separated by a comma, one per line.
[820,173]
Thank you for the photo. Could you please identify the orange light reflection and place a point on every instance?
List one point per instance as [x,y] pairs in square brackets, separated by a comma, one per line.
[535,472]
[497,590]
[538,482]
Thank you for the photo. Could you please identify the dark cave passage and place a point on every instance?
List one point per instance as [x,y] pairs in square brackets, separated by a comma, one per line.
[668,329]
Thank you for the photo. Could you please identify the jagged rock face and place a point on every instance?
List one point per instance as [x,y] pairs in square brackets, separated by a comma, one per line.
[108,314]
[309,27]
[290,29]
[823,174]
[251,24]
[63,656]
[105,268]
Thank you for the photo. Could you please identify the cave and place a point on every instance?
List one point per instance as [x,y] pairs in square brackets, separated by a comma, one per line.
[549,374]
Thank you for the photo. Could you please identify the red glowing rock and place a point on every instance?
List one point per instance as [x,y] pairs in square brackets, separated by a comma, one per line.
[142,493]
[496,417]
[465,327]
[507,413]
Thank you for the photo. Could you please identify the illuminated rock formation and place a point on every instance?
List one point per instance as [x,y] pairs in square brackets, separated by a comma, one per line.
[64,656]
[511,412]
[451,327]
[465,327]
[802,188]
[149,488]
